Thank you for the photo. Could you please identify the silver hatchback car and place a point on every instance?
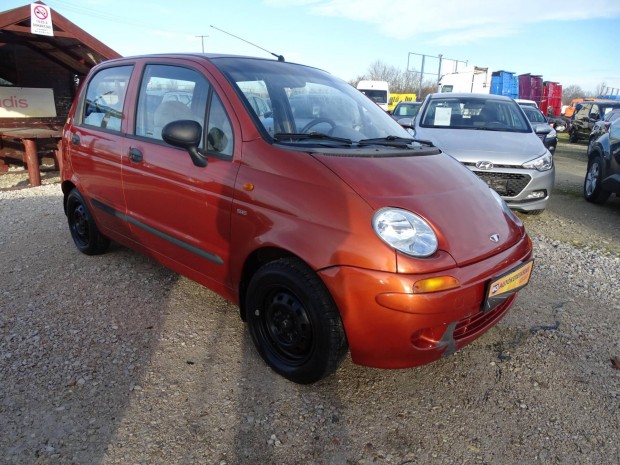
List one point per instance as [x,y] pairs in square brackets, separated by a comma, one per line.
[491,135]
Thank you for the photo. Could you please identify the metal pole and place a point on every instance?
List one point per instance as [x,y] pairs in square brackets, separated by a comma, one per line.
[439,72]
[202,40]
[421,76]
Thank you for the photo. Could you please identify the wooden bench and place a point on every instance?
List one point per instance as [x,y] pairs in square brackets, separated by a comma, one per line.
[31,139]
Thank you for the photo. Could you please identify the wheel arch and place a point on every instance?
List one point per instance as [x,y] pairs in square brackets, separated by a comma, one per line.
[66,187]
[253,262]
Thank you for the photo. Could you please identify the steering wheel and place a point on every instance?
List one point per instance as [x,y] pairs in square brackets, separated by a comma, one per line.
[316,121]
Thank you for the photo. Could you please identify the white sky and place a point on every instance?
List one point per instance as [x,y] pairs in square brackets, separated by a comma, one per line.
[570,41]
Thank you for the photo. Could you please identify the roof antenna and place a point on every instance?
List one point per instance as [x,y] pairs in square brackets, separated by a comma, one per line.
[279,57]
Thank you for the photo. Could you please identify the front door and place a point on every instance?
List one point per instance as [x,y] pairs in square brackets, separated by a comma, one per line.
[179,211]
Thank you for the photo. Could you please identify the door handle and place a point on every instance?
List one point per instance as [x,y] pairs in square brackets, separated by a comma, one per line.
[75,139]
[135,155]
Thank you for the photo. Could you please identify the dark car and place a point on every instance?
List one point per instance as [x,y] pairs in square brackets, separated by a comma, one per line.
[406,110]
[587,114]
[603,175]
[601,127]
[541,126]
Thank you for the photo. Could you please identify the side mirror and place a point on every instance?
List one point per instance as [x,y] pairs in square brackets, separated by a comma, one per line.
[185,134]
[407,123]
[542,130]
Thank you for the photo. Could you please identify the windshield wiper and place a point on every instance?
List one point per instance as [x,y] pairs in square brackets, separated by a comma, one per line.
[293,137]
[391,141]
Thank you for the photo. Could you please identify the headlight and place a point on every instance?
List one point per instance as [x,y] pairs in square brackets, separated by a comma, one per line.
[543,163]
[552,135]
[405,231]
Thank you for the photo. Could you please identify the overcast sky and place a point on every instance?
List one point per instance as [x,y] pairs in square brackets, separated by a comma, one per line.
[568,41]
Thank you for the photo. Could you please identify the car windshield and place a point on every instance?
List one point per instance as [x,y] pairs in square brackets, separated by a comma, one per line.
[534,115]
[474,113]
[309,106]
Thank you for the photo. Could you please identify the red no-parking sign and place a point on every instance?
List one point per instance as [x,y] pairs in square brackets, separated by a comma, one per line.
[41,19]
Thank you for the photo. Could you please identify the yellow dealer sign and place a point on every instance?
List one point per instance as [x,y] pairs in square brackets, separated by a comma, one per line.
[26,102]
[395,98]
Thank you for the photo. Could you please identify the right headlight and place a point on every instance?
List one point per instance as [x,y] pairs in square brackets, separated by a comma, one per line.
[543,163]
[405,231]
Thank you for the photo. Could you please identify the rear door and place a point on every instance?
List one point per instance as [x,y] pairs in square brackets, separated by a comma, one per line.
[96,143]
[179,211]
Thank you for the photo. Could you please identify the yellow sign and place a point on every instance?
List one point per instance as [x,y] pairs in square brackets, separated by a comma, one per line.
[395,98]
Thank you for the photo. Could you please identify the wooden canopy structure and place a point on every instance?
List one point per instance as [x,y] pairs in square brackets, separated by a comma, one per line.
[31,63]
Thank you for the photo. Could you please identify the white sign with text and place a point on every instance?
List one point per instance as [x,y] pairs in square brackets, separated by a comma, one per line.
[41,19]
[26,102]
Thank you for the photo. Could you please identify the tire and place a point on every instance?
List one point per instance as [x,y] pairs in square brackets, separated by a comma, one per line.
[534,212]
[294,322]
[84,231]
[592,185]
[572,135]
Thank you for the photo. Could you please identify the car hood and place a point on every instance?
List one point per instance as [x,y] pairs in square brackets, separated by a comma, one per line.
[460,208]
[470,146]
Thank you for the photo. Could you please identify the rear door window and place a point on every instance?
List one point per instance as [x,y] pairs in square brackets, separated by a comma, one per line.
[105,97]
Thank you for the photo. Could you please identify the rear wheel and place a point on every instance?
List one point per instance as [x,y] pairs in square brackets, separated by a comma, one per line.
[572,135]
[84,231]
[294,322]
[592,186]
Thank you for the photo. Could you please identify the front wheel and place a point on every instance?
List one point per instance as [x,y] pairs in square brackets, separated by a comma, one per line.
[86,236]
[294,322]
[592,186]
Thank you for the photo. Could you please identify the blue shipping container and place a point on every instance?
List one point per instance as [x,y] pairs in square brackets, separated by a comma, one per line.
[505,83]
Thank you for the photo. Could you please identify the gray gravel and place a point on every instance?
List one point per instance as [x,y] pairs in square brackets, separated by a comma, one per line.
[117,360]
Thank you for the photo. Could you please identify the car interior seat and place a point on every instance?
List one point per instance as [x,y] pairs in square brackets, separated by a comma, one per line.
[168,111]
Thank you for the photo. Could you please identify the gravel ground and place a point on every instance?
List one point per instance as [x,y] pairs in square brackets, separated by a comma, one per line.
[117,360]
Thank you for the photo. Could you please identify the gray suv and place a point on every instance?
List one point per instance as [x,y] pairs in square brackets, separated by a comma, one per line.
[491,135]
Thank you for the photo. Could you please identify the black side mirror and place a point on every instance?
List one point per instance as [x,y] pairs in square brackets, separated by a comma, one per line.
[185,134]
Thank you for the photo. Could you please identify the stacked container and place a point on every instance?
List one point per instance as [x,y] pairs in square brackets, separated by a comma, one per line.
[551,104]
[505,83]
[531,87]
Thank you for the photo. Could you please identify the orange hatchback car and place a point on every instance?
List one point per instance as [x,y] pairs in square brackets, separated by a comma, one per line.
[318,215]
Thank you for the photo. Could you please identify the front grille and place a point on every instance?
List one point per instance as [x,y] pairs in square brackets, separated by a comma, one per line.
[507,184]
[474,324]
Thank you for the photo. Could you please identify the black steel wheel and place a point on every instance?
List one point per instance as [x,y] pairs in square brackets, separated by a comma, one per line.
[592,185]
[84,231]
[294,322]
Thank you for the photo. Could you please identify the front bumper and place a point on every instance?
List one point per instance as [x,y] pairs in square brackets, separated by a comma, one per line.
[388,326]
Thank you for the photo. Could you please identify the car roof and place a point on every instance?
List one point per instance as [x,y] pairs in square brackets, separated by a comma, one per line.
[469,95]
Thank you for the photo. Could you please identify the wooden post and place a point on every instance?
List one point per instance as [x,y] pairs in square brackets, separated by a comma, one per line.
[32,160]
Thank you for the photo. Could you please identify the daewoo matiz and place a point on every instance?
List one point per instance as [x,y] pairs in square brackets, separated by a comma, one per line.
[322,219]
